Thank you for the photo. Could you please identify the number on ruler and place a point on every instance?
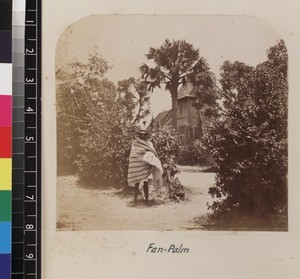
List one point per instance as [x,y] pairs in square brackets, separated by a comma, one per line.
[30,80]
[30,50]
[29,227]
[29,138]
[29,256]
[29,109]
[30,197]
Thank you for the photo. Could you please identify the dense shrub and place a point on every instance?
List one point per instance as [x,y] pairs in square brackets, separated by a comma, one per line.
[104,157]
[166,143]
[195,154]
[106,140]
[93,125]
[78,88]
[249,139]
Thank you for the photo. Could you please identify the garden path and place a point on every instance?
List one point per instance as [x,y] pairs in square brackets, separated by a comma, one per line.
[81,208]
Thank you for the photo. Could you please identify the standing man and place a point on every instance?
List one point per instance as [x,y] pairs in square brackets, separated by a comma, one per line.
[143,164]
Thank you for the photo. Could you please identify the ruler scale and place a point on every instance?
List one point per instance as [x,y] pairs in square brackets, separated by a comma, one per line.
[18,139]
[26,229]
[5,137]
[32,110]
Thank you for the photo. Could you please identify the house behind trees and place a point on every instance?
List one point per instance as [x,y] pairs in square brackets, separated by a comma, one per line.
[191,123]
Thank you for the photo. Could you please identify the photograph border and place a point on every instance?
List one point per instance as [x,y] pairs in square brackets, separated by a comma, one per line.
[212,254]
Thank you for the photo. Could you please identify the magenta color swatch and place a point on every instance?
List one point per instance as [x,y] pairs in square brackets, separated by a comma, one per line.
[5,111]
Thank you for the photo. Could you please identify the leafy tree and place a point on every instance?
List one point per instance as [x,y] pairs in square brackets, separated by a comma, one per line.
[105,151]
[176,63]
[78,86]
[206,93]
[134,99]
[249,138]
[96,121]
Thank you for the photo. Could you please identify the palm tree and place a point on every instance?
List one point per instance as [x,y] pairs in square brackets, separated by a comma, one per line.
[176,63]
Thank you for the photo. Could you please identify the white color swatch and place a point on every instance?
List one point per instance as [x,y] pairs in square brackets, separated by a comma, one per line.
[5,79]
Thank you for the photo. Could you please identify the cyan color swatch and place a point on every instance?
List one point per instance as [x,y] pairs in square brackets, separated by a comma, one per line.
[5,240]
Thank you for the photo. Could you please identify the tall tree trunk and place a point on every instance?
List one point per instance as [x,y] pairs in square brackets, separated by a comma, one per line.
[200,123]
[174,109]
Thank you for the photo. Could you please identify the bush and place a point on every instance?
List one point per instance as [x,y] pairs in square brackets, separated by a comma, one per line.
[96,121]
[249,139]
[167,144]
[195,154]
[78,88]
[104,158]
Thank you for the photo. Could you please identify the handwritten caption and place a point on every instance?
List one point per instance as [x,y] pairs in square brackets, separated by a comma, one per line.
[171,249]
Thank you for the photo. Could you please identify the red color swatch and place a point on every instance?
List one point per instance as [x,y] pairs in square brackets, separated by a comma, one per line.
[5,142]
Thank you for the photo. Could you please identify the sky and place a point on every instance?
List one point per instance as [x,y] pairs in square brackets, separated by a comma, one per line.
[123,40]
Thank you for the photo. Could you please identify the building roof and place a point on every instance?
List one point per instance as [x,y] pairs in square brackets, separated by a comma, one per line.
[186,91]
[164,118]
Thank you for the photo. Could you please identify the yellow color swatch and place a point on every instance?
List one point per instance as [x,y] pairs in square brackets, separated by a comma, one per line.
[5,174]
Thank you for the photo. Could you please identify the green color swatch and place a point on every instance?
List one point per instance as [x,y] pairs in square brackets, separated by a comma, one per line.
[5,205]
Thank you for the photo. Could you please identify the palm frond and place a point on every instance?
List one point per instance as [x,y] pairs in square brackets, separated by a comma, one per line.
[152,53]
[175,60]
[144,69]
[168,86]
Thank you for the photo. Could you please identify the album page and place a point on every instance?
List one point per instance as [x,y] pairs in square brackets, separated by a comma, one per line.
[170,139]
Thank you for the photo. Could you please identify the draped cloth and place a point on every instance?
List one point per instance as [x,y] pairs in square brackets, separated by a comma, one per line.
[143,161]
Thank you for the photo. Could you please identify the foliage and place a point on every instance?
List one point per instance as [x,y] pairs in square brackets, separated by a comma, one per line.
[203,81]
[173,62]
[104,159]
[195,154]
[96,121]
[77,95]
[167,145]
[249,138]
[205,95]
[176,63]
[175,190]
[105,150]
[134,100]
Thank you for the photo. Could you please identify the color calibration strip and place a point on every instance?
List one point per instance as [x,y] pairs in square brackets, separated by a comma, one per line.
[18,161]
[5,137]
[26,203]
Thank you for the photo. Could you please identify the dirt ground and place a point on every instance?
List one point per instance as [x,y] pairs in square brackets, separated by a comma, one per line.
[81,208]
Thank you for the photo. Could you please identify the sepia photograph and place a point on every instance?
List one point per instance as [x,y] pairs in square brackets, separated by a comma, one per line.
[171,123]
